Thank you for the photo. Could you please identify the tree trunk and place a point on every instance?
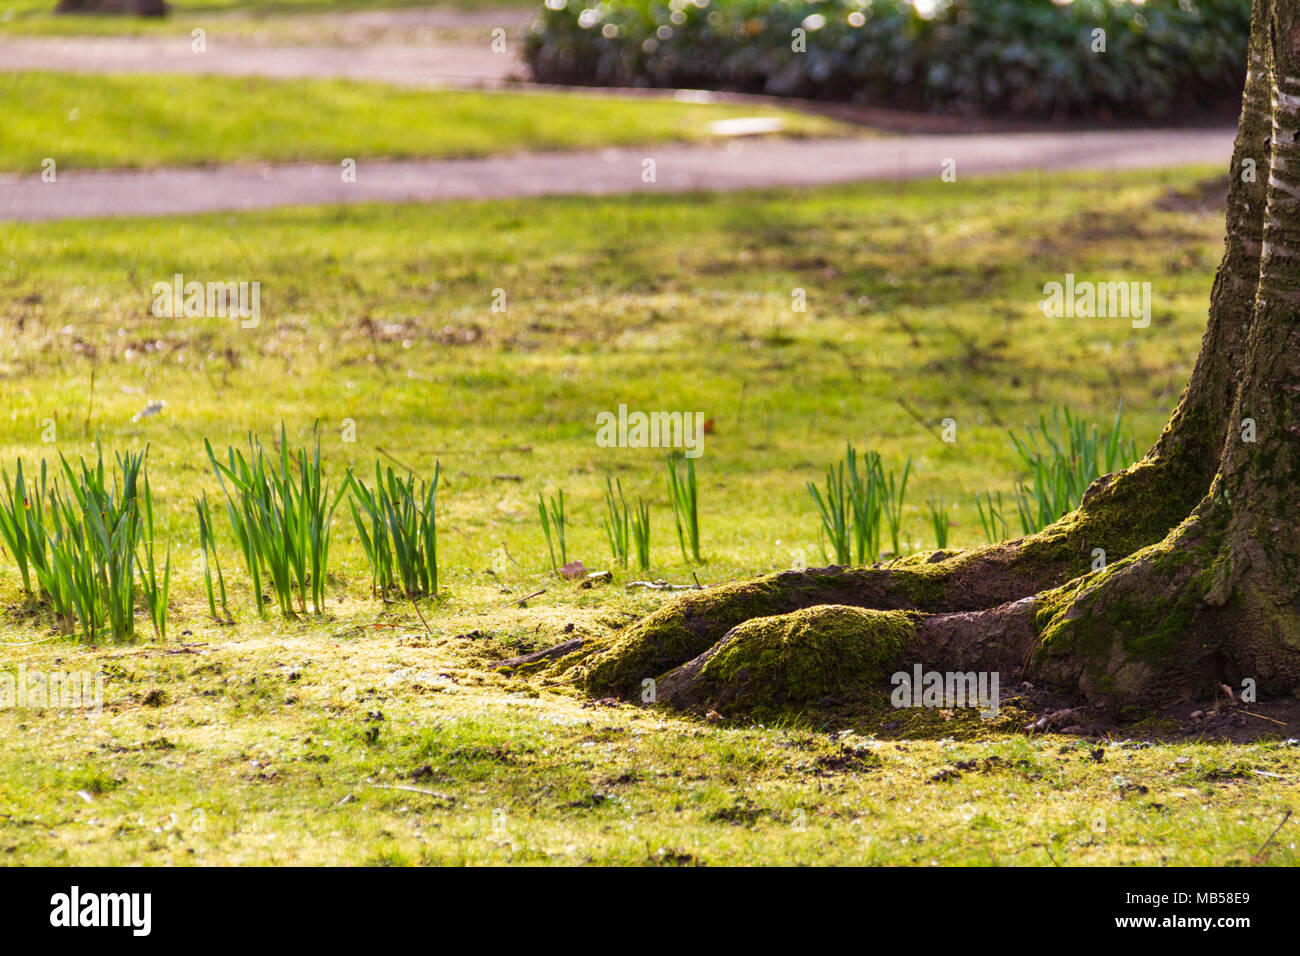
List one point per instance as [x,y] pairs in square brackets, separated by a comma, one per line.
[141,8]
[1203,587]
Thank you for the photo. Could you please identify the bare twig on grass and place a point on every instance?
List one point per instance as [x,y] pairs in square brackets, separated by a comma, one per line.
[409,789]
[415,604]
[522,599]
[395,461]
[1260,852]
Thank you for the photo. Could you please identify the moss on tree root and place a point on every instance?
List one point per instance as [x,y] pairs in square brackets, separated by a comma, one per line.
[795,658]
[1121,635]
[674,634]
[1122,513]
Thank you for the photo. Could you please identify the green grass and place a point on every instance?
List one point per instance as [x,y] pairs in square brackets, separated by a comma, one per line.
[617,523]
[37,8]
[281,514]
[293,749]
[684,495]
[399,531]
[1062,460]
[920,302]
[84,538]
[922,305]
[142,121]
[550,515]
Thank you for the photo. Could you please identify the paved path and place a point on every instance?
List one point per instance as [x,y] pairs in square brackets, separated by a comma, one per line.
[737,165]
[426,64]
[428,46]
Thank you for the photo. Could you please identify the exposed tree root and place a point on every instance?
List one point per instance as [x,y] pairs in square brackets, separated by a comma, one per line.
[1145,631]
[1153,627]
[822,651]
[1120,514]
[1172,578]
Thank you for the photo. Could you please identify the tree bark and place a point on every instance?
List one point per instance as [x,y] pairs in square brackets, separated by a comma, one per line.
[141,8]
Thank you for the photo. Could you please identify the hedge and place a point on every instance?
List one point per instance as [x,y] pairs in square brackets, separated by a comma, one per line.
[991,57]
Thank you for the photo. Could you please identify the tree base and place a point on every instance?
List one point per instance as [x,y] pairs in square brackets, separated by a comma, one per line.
[139,8]
[1165,625]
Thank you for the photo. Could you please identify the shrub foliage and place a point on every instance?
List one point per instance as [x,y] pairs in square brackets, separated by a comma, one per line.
[995,57]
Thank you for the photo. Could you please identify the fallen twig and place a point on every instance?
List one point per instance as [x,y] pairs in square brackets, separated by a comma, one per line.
[509,557]
[1260,852]
[415,604]
[665,586]
[408,789]
[522,599]
[549,653]
[395,461]
[43,640]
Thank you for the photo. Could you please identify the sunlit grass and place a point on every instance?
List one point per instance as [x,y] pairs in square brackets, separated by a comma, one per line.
[922,304]
[152,120]
[278,741]
[389,747]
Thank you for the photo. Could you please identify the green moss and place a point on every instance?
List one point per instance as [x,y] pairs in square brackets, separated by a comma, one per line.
[684,629]
[1115,630]
[809,654]
[1137,509]
[1062,552]
[922,584]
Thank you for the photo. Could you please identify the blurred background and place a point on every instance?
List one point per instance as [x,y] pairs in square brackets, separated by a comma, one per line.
[1098,60]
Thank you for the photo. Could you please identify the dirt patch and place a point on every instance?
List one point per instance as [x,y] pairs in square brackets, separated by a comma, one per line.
[1207,196]
[1228,720]
[1034,712]
[742,812]
[847,759]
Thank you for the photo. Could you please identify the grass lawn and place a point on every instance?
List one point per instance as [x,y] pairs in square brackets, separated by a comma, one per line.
[304,19]
[289,742]
[140,121]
